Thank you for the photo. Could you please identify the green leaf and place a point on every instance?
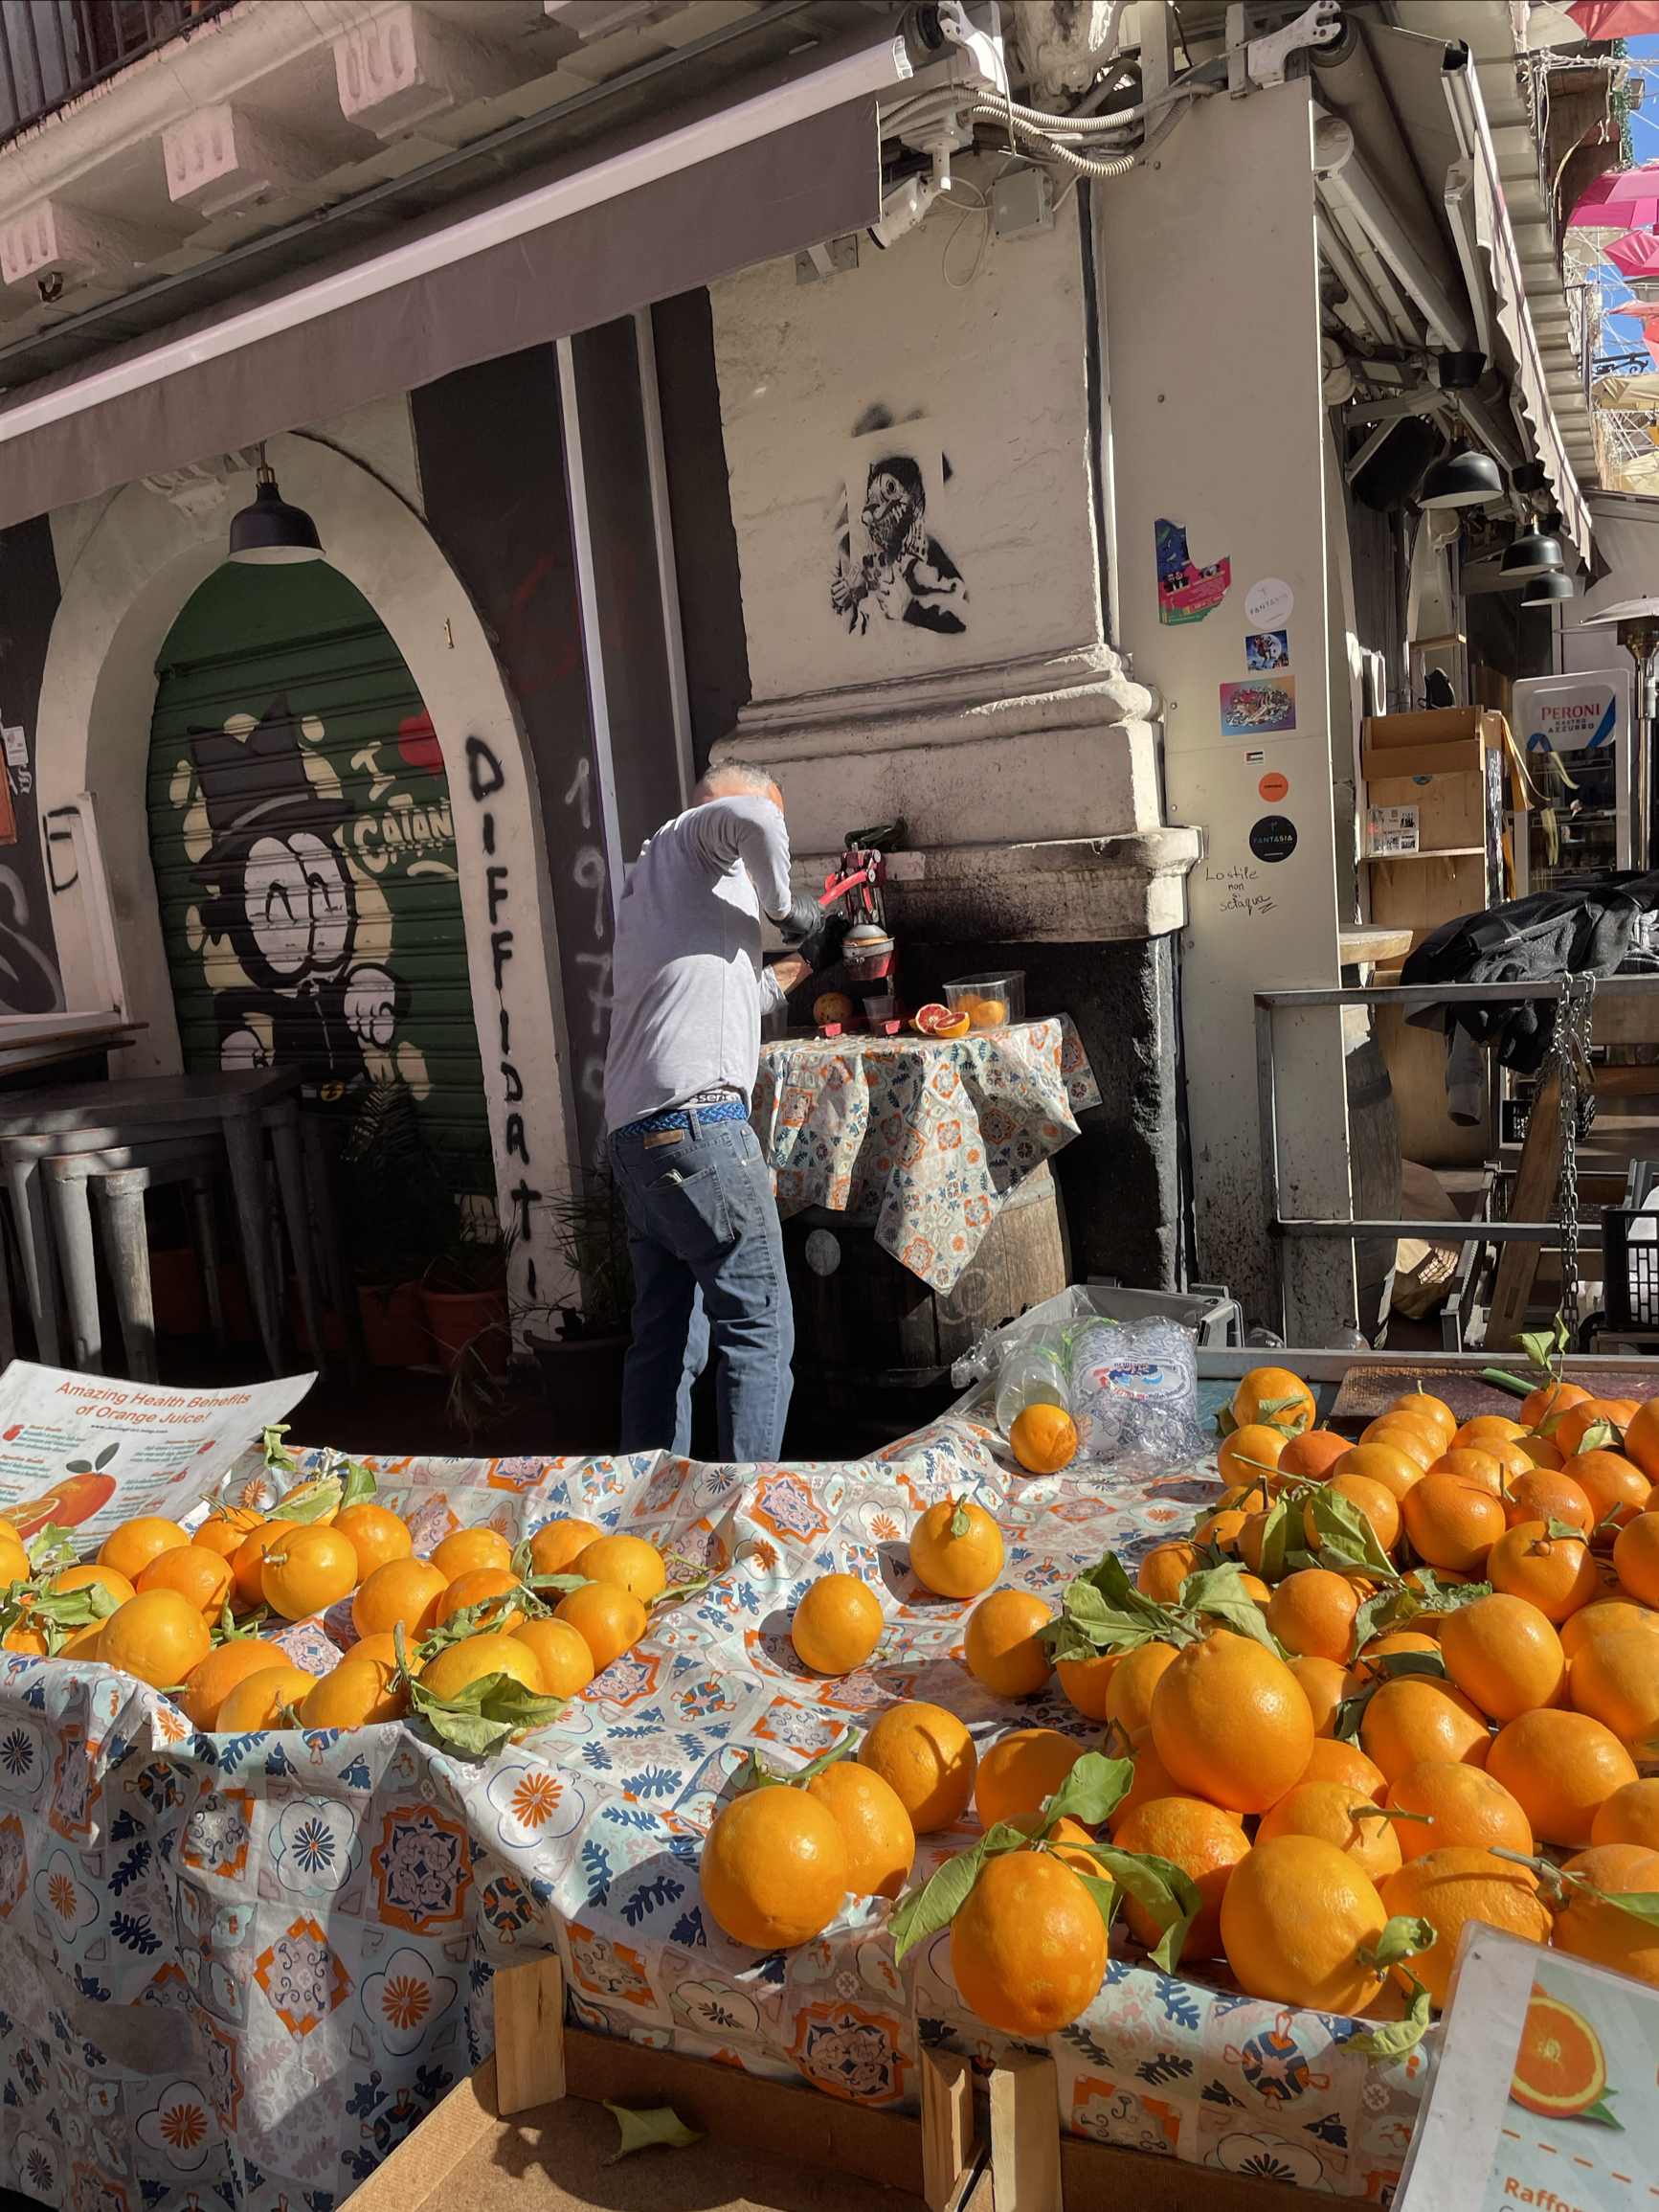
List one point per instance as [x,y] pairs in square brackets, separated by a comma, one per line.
[520,1562]
[1093,1789]
[1387,1610]
[1102,1611]
[78,1466]
[1640,1903]
[52,1546]
[360,1484]
[1226,1421]
[564,1584]
[1392,2038]
[1277,1531]
[277,1457]
[480,1718]
[959,1521]
[660,2126]
[1602,1437]
[482,1619]
[1165,1891]
[923,1911]
[1402,1937]
[1268,1408]
[677,1593]
[1561,1530]
[845,1749]
[1107,1896]
[105,1457]
[1342,1527]
[309,1501]
[1599,2112]
[1219,1594]
[1546,1349]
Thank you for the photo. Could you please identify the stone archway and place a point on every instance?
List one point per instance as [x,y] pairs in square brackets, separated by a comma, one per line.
[139,564]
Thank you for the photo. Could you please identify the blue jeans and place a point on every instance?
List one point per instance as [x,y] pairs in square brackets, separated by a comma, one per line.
[709,1274]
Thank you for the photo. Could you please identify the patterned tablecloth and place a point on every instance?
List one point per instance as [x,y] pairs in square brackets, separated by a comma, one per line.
[241,1969]
[929,1136]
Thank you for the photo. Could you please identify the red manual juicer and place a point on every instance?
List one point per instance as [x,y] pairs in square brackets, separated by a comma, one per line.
[867,951]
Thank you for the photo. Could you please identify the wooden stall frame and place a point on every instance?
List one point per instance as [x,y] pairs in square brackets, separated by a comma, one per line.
[1030,2164]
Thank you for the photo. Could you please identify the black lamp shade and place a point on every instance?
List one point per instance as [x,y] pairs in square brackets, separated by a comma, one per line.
[271,531]
[1465,477]
[1532,554]
[1545,590]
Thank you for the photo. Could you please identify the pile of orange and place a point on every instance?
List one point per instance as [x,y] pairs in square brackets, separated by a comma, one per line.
[183,1611]
[1448,1712]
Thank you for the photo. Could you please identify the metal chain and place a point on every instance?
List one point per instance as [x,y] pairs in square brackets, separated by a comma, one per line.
[1570,1052]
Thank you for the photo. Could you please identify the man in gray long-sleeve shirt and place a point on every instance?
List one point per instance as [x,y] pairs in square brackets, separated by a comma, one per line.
[688,991]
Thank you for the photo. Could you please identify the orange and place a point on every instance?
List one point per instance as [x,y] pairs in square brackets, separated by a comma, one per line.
[1546,1496]
[927,1758]
[1502,1651]
[1205,1842]
[404,1590]
[1249,1454]
[607,1617]
[464,1550]
[1397,1639]
[384,1646]
[1153,1779]
[258,1699]
[566,1662]
[1588,1928]
[1450,1886]
[311,1570]
[1312,1614]
[1542,1409]
[376,1536]
[1409,1438]
[1589,1413]
[1604,1618]
[1450,1523]
[875,1827]
[1397,1423]
[1378,1504]
[357,1694]
[226,1532]
[1560,2068]
[1254,1400]
[953,1562]
[1130,1693]
[1323,1684]
[204,1577]
[1385,1463]
[1615,1678]
[1642,1439]
[478,1586]
[774,1867]
[1424,1405]
[14,1563]
[1498,1425]
[1164,1568]
[1327,1810]
[1020,1773]
[1070,1840]
[1617,1490]
[1413,1718]
[1560,1768]
[1333,1760]
[130,1548]
[1087,1681]
[1467,1806]
[1555,1574]
[1629,1815]
[1222,1529]
[556,1544]
[1636,1557]
[85,1577]
[1297,1913]
[212,1679]
[157,1635]
[638,1565]
[836,1624]
[248,1562]
[1230,1723]
[1313,1454]
[21,1636]
[1001,1647]
[491,1652]
[1484,1469]
[1027,1946]
[84,1643]
[1043,1439]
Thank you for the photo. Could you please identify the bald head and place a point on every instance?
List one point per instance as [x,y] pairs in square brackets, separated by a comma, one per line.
[737,780]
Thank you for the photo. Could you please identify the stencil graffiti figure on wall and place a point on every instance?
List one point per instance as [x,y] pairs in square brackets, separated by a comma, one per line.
[284,899]
[891,569]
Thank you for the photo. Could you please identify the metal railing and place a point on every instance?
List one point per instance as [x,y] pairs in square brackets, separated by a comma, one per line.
[50,50]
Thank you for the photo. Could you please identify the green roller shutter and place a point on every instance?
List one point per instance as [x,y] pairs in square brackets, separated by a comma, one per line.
[304,856]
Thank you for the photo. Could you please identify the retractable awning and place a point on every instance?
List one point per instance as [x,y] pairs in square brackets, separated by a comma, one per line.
[787,169]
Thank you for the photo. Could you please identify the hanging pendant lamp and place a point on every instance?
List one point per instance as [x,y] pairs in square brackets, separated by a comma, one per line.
[1467,477]
[1545,590]
[270,531]
[1532,554]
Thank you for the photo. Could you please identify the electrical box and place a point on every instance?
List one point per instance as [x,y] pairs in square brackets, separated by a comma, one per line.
[1022,202]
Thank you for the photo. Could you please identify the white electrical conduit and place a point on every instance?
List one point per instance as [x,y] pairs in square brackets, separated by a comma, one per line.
[1345,225]
[950,99]
[1334,248]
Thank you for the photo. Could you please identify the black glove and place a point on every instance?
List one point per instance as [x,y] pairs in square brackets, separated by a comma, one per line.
[801,920]
[821,948]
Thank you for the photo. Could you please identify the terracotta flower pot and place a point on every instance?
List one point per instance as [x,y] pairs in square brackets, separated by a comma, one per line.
[176,1289]
[457,1318]
[394,1331]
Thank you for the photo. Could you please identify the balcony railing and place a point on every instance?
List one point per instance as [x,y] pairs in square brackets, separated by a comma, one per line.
[50,50]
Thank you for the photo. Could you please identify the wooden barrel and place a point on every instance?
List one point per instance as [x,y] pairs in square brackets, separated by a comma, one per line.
[874,1345]
[1374,1174]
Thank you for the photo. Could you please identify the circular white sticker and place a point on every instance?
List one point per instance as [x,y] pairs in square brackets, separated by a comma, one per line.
[823,1253]
[1269,603]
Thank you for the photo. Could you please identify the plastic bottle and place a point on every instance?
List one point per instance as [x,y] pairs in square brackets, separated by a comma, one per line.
[1033,1373]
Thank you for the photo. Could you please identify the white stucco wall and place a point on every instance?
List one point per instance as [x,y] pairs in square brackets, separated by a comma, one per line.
[125,572]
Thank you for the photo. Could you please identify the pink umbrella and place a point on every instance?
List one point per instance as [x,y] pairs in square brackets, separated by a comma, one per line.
[1636,254]
[1615,18]
[1638,311]
[1621,200]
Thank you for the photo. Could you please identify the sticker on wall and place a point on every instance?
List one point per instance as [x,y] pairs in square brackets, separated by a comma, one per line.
[1268,649]
[1274,837]
[1274,787]
[1254,758]
[1247,709]
[1269,603]
[1186,593]
[890,565]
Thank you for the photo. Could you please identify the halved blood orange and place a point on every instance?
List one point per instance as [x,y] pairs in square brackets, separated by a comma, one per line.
[1559,2068]
[936,1021]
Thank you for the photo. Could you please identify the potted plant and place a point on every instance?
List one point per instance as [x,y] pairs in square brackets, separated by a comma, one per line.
[396,1215]
[463,1290]
[582,1364]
